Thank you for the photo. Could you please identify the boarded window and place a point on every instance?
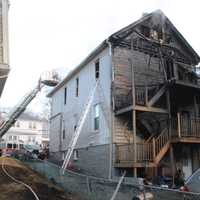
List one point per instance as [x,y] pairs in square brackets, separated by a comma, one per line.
[96,117]
[77,87]
[65,96]
[97,69]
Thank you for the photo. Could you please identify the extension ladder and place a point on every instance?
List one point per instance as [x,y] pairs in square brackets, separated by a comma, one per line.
[80,124]
[18,110]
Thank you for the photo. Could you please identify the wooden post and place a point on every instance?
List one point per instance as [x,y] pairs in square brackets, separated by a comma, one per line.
[134,111]
[172,163]
[146,95]
[169,113]
[175,71]
[154,148]
[179,124]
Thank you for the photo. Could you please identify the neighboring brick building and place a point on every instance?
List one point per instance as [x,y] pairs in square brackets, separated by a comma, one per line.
[145,114]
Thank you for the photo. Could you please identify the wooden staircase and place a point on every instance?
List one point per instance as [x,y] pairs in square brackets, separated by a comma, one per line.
[162,144]
[148,154]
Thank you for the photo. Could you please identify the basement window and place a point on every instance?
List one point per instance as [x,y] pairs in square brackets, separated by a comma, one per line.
[97,69]
[75,155]
[77,87]
[65,96]
[96,117]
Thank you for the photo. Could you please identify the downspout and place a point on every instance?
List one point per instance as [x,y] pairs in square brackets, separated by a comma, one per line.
[111,113]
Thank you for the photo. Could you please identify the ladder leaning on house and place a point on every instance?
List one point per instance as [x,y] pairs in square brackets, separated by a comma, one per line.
[80,124]
[51,79]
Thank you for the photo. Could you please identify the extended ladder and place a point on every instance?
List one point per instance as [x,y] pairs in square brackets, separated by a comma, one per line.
[51,79]
[18,110]
[80,124]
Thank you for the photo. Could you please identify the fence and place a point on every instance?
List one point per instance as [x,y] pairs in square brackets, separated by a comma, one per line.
[93,188]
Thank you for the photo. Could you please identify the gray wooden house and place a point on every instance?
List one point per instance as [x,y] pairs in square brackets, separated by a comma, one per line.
[145,115]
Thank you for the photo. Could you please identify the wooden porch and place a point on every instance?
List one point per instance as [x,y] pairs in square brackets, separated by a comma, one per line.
[150,152]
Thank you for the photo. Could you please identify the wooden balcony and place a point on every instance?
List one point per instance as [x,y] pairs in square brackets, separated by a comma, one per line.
[145,98]
[185,130]
[149,154]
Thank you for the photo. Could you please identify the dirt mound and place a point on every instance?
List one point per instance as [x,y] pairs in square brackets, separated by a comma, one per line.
[9,190]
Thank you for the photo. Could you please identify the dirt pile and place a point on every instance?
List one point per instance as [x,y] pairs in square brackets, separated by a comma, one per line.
[10,190]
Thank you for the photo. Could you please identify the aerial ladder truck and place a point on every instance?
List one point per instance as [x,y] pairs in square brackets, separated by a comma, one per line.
[48,79]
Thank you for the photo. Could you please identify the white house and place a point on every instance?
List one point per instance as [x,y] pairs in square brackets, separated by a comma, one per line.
[27,130]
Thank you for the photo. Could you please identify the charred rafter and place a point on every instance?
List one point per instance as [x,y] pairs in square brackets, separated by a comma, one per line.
[152,48]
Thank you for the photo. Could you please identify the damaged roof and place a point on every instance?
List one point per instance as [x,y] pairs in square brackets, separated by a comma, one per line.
[121,34]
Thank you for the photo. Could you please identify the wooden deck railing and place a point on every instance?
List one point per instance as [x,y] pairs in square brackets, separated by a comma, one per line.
[147,151]
[125,152]
[144,152]
[140,96]
[185,127]
[189,127]
[161,140]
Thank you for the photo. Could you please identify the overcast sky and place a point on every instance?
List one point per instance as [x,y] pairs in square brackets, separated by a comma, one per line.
[59,34]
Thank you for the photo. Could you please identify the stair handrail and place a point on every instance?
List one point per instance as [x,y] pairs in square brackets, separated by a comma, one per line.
[161,140]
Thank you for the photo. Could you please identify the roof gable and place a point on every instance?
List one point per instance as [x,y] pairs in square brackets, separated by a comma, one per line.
[157,20]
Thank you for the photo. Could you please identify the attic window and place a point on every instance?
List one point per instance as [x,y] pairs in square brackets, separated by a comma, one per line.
[145,31]
[65,96]
[97,69]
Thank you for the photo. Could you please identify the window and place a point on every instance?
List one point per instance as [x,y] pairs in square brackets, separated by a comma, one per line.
[9,145]
[145,31]
[10,137]
[17,124]
[97,69]
[15,137]
[29,138]
[63,134]
[76,155]
[96,117]
[30,125]
[77,86]
[65,96]
[34,125]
